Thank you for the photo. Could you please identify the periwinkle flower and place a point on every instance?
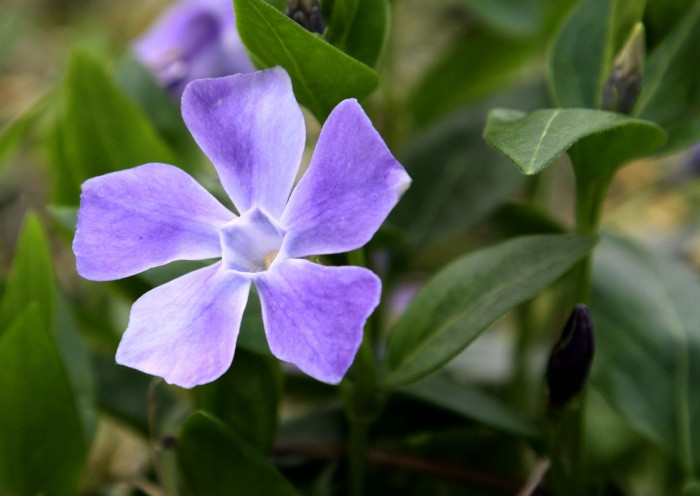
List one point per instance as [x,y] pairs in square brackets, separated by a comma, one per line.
[252,129]
[191,40]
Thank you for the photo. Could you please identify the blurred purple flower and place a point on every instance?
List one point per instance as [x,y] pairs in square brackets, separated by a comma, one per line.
[191,40]
[252,129]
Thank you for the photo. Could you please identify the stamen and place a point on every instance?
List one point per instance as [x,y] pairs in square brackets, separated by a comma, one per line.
[269,258]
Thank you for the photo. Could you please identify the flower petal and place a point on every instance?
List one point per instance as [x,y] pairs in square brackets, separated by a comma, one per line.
[351,185]
[139,218]
[314,315]
[252,130]
[191,40]
[185,331]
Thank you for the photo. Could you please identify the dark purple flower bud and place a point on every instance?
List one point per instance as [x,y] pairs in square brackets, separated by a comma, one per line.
[624,85]
[571,358]
[307,14]
[193,39]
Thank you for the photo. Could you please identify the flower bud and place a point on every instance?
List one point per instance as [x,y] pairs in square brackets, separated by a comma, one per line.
[307,14]
[625,82]
[570,360]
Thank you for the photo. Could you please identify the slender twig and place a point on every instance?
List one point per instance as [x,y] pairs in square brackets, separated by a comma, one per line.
[435,468]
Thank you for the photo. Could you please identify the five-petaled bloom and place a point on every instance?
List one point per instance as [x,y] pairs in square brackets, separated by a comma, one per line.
[251,128]
[191,40]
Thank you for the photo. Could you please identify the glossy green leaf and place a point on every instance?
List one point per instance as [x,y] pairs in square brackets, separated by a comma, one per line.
[647,366]
[215,461]
[246,397]
[31,276]
[102,130]
[359,28]
[321,74]
[43,448]
[468,401]
[532,141]
[470,294]
[671,92]
[586,47]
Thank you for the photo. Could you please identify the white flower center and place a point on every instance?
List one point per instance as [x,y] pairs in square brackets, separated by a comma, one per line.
[251,242]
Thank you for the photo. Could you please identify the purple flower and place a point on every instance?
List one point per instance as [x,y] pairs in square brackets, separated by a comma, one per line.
[252,129]
[193,39]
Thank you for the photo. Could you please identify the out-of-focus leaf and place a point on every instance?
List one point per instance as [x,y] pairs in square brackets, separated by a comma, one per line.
[102,130]
[12,133]
[457,178]
[124,393]
[513,17]
[359,28]
[66,217]
[468,401]
[43,446]
[321,74]
[520,219]
[671,94]
[246,397]
[647,366]
[469,72]
[586,47]
[252,336]
[532,141]
[160,107]
[78,367]
[470,294]
[31,277]
[215,461]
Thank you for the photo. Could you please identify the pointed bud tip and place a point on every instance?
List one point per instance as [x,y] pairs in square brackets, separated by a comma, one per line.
[571,358]
[624,84]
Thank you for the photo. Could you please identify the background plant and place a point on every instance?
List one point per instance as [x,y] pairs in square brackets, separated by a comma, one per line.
[533,190]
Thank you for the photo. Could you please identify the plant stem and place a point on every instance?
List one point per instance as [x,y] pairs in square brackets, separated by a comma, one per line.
[361,400]
[567,427]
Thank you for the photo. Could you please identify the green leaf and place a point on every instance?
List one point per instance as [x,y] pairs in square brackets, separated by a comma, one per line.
[671,91]
[161,108]
[215,461]
[469,72]
[513,17]
[246,397]
[647,366]
[470,294]
[532,141]
[102,130]
[359,28]
[461,180]
[583,53]
[31,276]
[468,401]
[43,448]
[321,74]
[12,134]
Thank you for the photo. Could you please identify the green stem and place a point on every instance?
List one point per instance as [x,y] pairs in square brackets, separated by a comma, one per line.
[567,448]
[361,401]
